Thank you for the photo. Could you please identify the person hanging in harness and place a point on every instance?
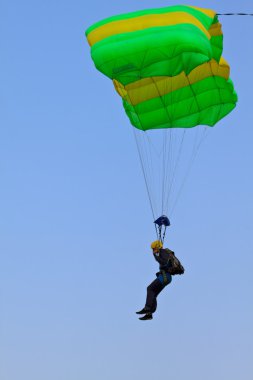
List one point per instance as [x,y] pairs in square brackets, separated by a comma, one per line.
[169,265]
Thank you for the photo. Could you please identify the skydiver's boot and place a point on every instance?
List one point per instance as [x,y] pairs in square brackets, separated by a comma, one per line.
[142,311]
[146,317]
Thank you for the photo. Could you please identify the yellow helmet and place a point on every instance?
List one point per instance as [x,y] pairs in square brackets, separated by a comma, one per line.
[157,244]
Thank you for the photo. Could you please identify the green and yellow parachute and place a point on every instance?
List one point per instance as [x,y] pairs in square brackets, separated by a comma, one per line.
[166,65]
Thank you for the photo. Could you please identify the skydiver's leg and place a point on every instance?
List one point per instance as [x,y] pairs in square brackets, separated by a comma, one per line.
[152,292]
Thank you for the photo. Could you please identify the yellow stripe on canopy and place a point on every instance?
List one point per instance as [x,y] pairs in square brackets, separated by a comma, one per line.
[215,30]
[143,22]
[208,12]
[149,88]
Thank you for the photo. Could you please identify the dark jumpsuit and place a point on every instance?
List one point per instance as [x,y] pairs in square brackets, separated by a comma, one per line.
[163,279]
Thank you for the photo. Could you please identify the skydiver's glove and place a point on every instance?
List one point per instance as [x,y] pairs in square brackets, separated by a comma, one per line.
[158,274]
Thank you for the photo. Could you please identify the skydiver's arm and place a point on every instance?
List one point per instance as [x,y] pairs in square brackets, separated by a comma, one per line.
[161,259]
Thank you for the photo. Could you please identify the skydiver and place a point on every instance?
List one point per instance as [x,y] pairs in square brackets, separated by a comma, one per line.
[168,265]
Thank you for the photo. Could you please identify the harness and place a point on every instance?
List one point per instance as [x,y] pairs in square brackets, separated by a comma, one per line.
[165,278]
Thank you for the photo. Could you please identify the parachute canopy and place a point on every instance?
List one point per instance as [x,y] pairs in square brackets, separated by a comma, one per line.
[166,64]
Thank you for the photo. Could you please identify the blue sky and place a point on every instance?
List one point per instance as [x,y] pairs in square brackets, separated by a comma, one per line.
[75,223]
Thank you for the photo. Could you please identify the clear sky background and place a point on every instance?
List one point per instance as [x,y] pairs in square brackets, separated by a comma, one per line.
[75,223]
